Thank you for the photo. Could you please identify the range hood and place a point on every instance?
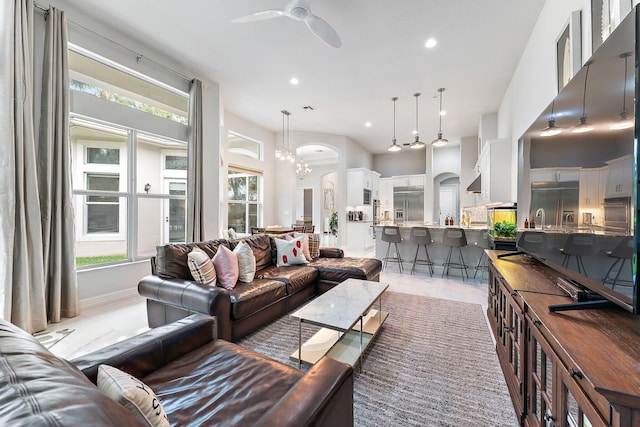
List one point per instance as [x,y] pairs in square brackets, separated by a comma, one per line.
[475,186]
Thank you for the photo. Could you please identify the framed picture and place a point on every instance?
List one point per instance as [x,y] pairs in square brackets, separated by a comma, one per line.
[569,50]
[605,17]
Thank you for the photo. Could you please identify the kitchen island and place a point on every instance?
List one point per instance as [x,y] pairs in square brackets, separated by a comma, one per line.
[437,251]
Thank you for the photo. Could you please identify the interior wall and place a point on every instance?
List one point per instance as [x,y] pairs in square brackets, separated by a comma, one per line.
[405,162]
[468,159]
[316,180]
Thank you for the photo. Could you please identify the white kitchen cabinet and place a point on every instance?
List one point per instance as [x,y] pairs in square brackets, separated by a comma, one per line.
[386,193]
[494,165]
[555,174]
[408,180]
[375,185]
[592,187]
[620,177]
[359,235]
[359,179]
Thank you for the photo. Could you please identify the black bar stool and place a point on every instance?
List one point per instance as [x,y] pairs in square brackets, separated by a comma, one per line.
[454,238]
[391,234]
[579,245]
[622,252]
[421,237]
[482,243]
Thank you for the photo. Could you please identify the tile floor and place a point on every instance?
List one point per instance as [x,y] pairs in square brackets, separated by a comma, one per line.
[113,322]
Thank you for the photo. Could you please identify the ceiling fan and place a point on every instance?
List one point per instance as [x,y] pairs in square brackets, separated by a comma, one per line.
[299,10]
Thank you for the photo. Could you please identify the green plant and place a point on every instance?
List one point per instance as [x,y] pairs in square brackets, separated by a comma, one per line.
[505,229]
[333,223]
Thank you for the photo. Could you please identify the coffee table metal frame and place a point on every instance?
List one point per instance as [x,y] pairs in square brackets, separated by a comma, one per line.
[348,322]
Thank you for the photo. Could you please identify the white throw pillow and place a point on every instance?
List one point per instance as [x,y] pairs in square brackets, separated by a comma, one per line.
[305,243]
[289,252]
[246,262]
[232,234]
[133,394]
[201,267]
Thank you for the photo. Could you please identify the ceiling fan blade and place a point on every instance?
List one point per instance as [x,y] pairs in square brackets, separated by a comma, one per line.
[259,16]
[323,31]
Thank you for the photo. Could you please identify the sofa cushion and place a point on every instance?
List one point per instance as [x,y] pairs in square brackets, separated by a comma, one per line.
[133,394]
[247,298]
[260,244]
[223,383]
[201,267]
[171,259]
[226,264]
[340,269]
[246,262]
[290,252]
[296,277]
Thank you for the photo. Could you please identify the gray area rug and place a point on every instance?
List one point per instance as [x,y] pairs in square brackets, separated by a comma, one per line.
[433,364]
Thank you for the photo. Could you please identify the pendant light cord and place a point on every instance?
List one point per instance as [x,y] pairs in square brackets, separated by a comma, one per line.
[584,93]
[394,99]
[417,95]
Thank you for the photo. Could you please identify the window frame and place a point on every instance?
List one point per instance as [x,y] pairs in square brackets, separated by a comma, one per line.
[239,172]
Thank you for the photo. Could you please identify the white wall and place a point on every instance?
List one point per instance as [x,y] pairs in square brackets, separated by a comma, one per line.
[316,180]
[468,159]
[405,162]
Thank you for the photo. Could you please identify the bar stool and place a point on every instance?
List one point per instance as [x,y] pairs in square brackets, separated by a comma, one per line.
[482,243]
[579,245]
[454,238]
[391,234]
[624,252]
[532,241]
[421,237]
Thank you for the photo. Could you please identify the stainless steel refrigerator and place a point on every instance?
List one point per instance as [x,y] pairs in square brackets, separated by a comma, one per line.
[408,204]
[559,200]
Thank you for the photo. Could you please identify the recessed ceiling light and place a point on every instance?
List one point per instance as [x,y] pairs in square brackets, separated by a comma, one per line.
[415,132]
[368,124]
[430,43]
[294,81]
[443,113]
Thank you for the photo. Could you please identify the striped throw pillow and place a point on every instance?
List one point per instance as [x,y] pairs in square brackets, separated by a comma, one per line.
[201,267]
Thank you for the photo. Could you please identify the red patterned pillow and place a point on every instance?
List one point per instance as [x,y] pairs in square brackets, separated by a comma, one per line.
[289,252]
[305,243]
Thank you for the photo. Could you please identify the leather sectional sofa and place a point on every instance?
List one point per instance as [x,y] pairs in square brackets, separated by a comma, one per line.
[172,293]
[198,379]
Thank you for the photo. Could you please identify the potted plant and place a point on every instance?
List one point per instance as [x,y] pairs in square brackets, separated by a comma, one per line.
[333,223]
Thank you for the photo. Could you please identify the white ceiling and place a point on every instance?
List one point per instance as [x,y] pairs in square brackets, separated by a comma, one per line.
[382,55]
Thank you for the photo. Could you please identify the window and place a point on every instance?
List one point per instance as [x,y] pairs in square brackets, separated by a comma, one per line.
[244,146]
[245,206]
[129,168]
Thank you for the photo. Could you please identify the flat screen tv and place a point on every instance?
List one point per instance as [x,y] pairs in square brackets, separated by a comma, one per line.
[584,185]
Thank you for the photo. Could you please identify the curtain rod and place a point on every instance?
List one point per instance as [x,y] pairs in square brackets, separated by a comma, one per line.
[138,56]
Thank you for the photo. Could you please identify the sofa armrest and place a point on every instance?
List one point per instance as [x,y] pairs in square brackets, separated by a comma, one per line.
[331,253]
[142,354]
[191,296]
[322,397]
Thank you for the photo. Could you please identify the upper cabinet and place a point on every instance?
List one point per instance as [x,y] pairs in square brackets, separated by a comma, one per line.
[620,177]
[386,193]
[359,180]
[408,181]
[555,174]
[592,187]
[495,172]
[375,185]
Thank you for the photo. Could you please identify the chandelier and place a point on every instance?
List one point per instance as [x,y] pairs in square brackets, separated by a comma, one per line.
[282,151]
[302,169]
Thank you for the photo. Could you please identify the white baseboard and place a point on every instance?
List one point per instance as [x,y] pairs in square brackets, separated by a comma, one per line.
[89,303]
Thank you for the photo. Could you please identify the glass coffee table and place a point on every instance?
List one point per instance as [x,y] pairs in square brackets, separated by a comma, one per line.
[348,321]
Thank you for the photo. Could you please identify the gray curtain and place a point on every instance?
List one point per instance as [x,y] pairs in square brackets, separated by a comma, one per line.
[195,185]
[54,174]
[25,290]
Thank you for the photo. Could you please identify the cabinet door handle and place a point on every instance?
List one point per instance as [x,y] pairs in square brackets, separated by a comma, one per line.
[537,322]
[574,373]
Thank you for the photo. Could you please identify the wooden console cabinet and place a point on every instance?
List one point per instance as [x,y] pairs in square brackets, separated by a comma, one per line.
[571,368]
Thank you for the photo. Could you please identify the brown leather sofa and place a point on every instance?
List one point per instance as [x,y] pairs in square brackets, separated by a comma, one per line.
[198,379]
[172,293]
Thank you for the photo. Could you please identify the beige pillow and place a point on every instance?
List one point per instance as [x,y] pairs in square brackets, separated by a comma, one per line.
[201,267]
[246,262]
[289,252]
[226,265]
[133,394]
[232,234]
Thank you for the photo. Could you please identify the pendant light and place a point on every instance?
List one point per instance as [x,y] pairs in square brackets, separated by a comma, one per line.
[440,141]
[283,152]
[417,144]
[583,126]
[394,146]
[625,122]
[551,128]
